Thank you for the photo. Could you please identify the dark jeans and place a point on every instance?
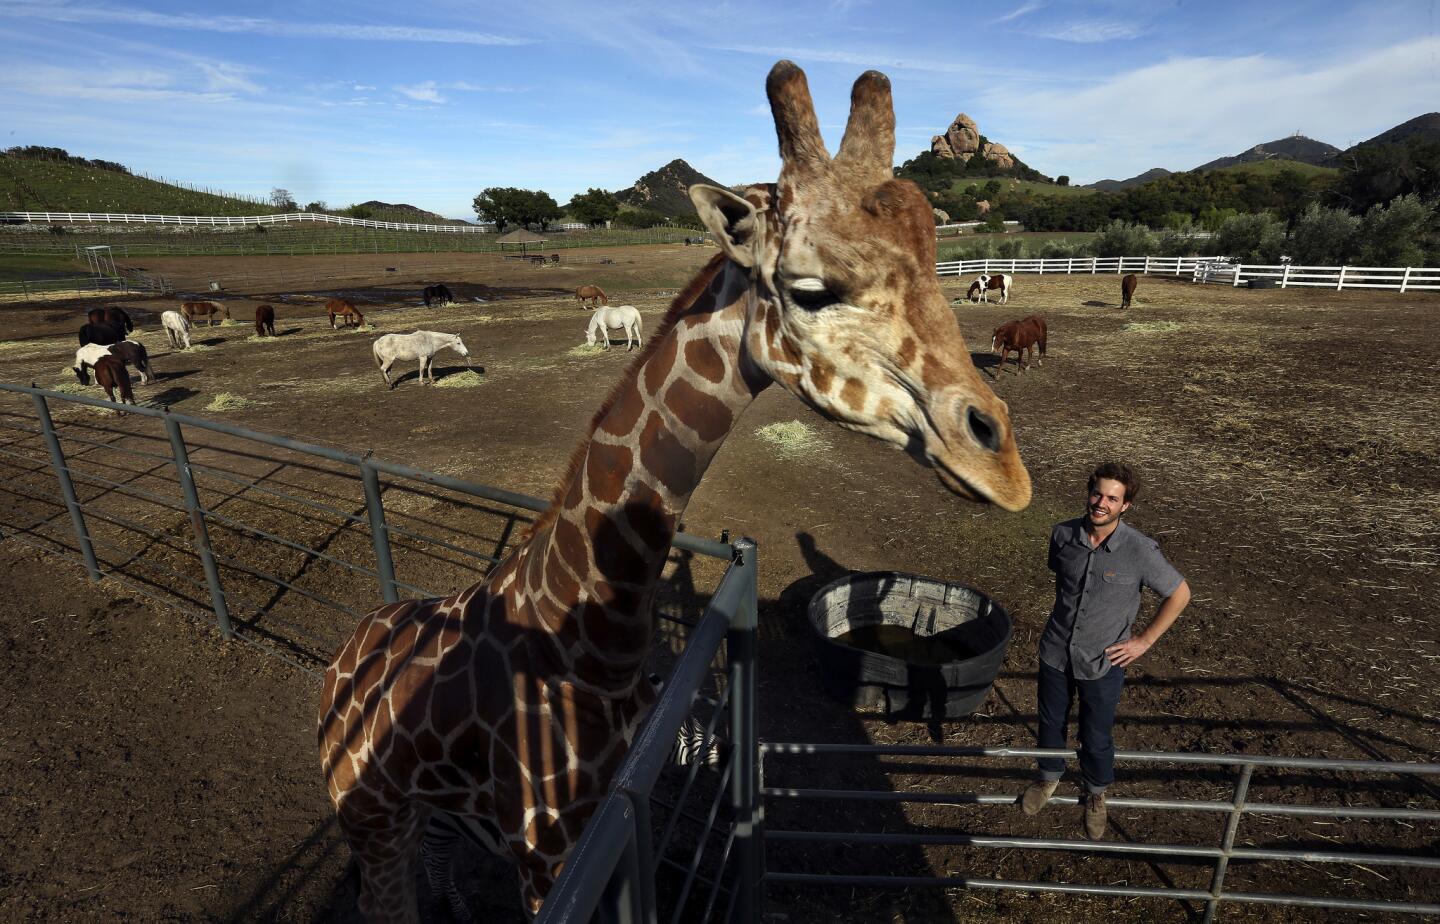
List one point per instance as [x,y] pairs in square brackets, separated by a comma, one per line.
[1098,698]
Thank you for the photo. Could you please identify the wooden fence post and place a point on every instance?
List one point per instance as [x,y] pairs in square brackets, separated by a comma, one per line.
[1405,280]
[1235,282]
[1341,283]
[1147,266]
[1285,276]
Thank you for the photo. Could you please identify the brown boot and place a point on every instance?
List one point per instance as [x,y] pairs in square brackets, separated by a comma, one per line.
[1095,815]
[1033,799]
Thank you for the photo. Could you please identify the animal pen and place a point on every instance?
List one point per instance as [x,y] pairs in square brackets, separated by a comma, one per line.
[267,535]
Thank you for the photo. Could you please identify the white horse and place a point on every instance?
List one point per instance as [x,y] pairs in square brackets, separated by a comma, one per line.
[421,345]
[988,284]
[177,329]
[606,319]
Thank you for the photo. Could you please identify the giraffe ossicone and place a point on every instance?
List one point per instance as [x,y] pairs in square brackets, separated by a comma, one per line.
[511,704]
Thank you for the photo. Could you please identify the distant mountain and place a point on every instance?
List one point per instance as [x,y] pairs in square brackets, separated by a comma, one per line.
[1425,126]
[664,190]
[407,214]
[1154,173]
[1296,147]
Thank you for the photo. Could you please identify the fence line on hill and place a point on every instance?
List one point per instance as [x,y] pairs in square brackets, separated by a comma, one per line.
[220,221]
[1214,269]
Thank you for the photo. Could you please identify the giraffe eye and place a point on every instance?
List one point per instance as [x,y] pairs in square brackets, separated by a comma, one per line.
[813,298]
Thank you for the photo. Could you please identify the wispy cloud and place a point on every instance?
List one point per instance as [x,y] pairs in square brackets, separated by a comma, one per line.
[882,59]
[92,14]
[1089,32]
[1018,12]
[426,92]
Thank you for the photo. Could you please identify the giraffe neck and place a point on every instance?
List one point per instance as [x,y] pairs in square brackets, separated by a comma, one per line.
[592,569]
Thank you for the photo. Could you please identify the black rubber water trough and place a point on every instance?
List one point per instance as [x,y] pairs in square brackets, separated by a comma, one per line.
[907,645]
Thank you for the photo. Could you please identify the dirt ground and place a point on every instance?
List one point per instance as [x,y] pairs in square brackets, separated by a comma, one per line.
[1286,441]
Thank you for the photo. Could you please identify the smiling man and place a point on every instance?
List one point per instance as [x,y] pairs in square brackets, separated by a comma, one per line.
[1100,565]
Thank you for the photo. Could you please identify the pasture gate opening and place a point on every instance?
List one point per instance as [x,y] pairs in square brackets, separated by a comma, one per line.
[666,844]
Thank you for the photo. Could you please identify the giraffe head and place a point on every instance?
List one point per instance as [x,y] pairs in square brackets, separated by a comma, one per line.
[847,312]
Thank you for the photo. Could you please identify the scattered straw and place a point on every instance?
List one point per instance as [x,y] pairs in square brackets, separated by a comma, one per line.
[71,387]
[467,379]
[197,348]
[585,349]
[22,346]
[1147,327]
[362,329]
[791,439]
[256,338]
[225,401]
[231,322]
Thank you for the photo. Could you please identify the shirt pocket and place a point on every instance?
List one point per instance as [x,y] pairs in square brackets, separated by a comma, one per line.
[1120,578]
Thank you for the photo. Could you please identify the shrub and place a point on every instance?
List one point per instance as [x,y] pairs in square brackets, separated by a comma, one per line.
[1254,237]
[1323,237]
[1394,234]
[1180,241]
[1123,239]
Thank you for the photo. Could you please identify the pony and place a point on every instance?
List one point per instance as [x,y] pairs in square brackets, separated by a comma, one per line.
[593,294]
[177,329]
[437,293]
[1127,289]
[264,320]
[622,316]
[421,345]
[342,308]
[116,315]
[129,352]
[102,332]
[1028,333]
[207,310]
[981,288]
[110,374]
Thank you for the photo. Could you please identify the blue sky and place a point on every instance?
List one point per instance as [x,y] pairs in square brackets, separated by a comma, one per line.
[430,102]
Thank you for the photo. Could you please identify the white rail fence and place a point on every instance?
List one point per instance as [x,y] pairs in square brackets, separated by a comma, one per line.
[1215,269]
[221,221]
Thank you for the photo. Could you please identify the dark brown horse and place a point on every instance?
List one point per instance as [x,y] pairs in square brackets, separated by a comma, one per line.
[210,311]
[343,308]
[1025,334]
[1127,289]
[116,315]
[101,332]
[264,320]
[110,374]
[437,294]
[593,294]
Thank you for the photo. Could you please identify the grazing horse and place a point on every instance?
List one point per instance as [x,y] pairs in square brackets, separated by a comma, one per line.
[177,329]
[116,315]
[1127,289]
[1028,333]
[606,319]
[101,332]
[110,374]
[421,345]
[129,352]
[981,288]
[264,320]
[207,310]
[437,294]
[343,308]
[593,294]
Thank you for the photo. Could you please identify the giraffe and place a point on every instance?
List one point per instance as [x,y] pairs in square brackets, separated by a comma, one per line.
[511,704]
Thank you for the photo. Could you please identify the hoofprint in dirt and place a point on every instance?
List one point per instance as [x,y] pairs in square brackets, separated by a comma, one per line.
[1290,476]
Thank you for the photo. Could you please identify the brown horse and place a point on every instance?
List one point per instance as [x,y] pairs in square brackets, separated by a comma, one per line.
[116,315]
[207,310]
[1127,289]
[343,308]
[264,320]
[1025,334]
[110,374]
[593,294]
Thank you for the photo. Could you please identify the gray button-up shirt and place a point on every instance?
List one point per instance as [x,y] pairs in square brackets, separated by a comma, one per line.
[1097,594]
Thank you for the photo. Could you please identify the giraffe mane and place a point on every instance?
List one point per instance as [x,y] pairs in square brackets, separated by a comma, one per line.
[677,309]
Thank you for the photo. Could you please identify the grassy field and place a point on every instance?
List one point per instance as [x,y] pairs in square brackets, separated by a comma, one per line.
[44,185]
[1271,167]
[17,266]
[1012,187]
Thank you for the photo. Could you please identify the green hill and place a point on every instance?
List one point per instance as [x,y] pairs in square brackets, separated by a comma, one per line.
[73,184]
[1279,165]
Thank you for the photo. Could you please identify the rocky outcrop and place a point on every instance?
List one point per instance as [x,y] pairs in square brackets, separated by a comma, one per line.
[961,139]
[998,154]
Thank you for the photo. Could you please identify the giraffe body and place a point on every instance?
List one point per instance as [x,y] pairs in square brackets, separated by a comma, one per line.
[512,703]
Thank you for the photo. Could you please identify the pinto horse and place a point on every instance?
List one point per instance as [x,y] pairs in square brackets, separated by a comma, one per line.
[343,308]
[1127,289]
[981,288]
[593,294]
[1025,334]
[210,311]
[264,320]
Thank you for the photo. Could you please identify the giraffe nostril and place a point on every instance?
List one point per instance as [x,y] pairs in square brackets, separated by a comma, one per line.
[983,428]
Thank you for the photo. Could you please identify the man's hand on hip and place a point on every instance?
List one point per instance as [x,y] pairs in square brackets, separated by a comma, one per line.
[1126,652]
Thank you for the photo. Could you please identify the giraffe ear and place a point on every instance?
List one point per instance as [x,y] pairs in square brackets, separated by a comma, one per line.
[730,218]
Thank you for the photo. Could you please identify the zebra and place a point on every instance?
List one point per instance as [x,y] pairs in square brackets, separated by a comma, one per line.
[694,742]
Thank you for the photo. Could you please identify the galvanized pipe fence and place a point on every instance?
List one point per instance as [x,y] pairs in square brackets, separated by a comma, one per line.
[664,845]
